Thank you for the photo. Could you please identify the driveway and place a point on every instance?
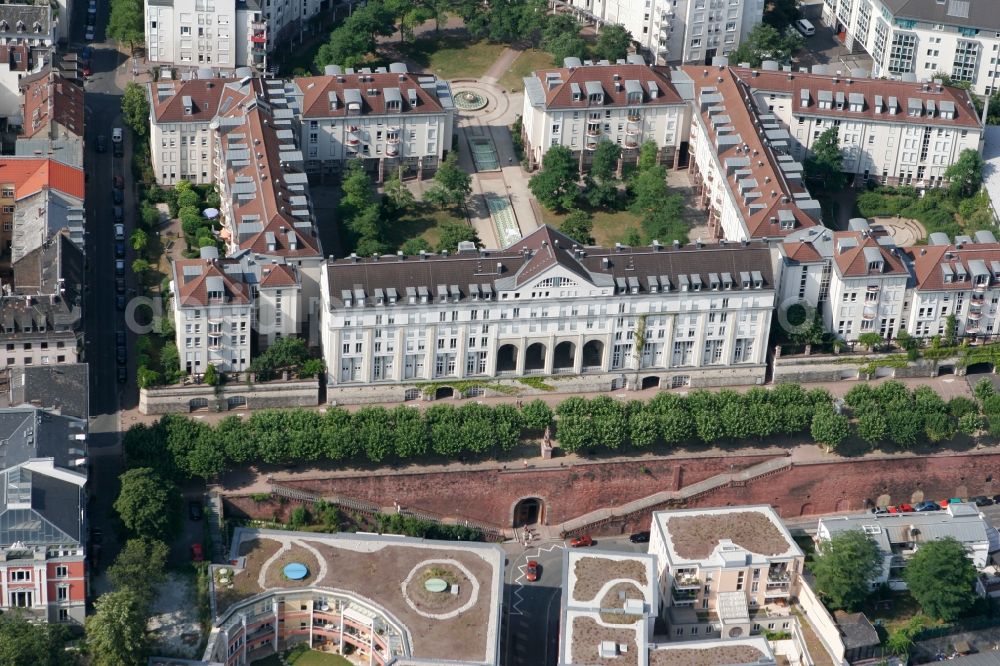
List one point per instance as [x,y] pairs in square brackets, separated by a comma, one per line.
[824,48]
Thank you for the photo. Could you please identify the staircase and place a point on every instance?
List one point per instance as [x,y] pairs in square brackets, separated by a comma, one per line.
[213,514]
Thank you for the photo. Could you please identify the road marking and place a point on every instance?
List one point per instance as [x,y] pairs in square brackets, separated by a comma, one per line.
[516,594]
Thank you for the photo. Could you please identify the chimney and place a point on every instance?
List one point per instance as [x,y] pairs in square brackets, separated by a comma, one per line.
[423,255]
[677,244]
[499,268]
[399,255]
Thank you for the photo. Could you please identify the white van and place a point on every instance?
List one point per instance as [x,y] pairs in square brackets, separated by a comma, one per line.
[805,27]
[116,134]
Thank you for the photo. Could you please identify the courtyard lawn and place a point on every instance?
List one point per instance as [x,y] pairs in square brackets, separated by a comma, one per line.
[305,658]
[451,57]
[529,61]
[610,227]
[895,611]
[421,221]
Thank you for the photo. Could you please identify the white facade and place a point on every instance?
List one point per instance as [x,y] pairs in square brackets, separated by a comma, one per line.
[577,106]
[549,313]
[681,31]
[923,37]
[205,33]
[390,119]
[892,131]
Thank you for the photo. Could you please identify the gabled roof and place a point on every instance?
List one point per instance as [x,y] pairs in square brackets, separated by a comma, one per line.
[846,89]
[560,84]
[316,92]
[853,252]
[548,247]
[30,175]
[207,97]
[278,275]
[193,279]
[978,14]
[41,505]
[801,252]
[932,262]
[48,97]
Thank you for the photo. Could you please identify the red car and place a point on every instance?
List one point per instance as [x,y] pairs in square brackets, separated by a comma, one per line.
[893,509]
[531,571]
[86,71]
[581,541]
[197,554]
[905,508]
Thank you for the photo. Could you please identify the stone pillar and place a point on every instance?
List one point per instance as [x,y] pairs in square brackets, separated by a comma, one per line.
[777,351]
[521,351]
[550,354]
[381,170]
[578,356]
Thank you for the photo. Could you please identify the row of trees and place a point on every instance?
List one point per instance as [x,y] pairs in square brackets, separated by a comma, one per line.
[890,413]
[705,416]
[525,21]
[178,447]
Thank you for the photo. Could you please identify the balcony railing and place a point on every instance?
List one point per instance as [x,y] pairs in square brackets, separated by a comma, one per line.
[873,288]
[392,150]
[631,142]
[593,130]
[869,313]
[392,139]
[260,38]
[981,287]
[686,582]
[975,315]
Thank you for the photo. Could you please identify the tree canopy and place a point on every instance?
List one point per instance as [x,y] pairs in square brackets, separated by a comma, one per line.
[765,42]
[148,504]
[125,23]
[579,226]
[116,632]
[825,162]
[613,42]
[844,568]
[135,109]
[24,643]
[140,566]
[965,175]
[556,185]
[942,579]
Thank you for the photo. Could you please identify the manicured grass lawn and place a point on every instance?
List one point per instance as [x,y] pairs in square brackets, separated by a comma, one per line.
[452,58]
[526,63]
[421,222]
[609,227]
[308,658]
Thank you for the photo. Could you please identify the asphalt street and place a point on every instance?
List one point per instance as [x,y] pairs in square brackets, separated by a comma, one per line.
[101,318]
[530,635]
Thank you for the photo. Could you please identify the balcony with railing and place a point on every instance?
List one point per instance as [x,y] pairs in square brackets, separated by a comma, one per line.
[683,597]
[591,144]
[352,137]
[593,129]
[258,37]
[686,581]
[975,315]
[631,142]
[869,313]
[981,287]
[873,288]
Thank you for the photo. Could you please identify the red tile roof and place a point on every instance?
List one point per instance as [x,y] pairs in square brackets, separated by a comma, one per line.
[801,252]
[47,97]
[795,82]
[209,97]
[278,275]
[772,183]
[851,260]
[30,175]
[561,95]
[316,92]
[191,275]
[927,262]
[270,204]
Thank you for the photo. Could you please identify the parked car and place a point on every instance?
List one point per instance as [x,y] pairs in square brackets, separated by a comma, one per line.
[119,249]
[951,500]
[119,215]
[120,302]
[639,537]
[119,267]
[85,70]
[116,134]
[117,196]
[119,337]
[996,499]
[881,510]
[102,144]
[531,571]
[119,182]
[197,554]
[892,509]
[120,354]
[89,36]
[981,500]
[120,232]
[905,508]
[122,374]
[194,510]
[92,7]
[928,506]
[86,53]
[581,541]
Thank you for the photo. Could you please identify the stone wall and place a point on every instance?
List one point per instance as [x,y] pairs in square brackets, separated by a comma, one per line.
[236,395]
[836,367]
[489,496]
[584,383]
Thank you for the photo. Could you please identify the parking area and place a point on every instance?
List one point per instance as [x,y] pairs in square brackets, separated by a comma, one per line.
[824,48]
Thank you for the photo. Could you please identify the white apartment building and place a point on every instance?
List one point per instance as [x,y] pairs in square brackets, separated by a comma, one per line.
[960,279]
[911,39]
[748,181]
[578,106]
[213,313]
[858,281]
[223,33]
[547,307]
[899,536]
[390,118]
[716,568]
[680,31]
[895,132]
